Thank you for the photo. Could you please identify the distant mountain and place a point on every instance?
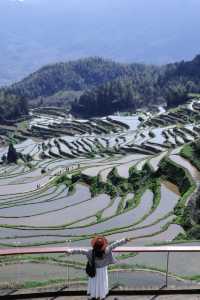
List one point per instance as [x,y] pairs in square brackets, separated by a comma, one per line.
[76,75]
[62,83]
[95,86]
[38,32]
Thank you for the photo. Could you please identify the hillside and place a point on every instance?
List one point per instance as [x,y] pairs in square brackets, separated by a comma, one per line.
[75,75]
[170,84]
[145,31]
[60,84]
[95,86]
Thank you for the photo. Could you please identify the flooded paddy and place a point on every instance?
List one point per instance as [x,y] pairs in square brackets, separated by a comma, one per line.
[62,215]
[47,196]
[137,233]
[176,265]
[94,171]
[122,220]
[131,121]
[44,271]
[110,211]
[167,203]
[24,187]
[36,211]
[31,209]
[167,235]
[123,170]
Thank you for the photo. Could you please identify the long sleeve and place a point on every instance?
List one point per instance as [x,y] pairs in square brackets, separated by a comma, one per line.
[117,244]
[78,251]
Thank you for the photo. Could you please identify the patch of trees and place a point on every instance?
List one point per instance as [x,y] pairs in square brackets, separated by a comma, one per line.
[118,95]
[191,152]
[145,87]
[12,156]
[12,106]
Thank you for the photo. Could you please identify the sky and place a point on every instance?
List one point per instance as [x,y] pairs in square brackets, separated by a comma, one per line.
[38,32]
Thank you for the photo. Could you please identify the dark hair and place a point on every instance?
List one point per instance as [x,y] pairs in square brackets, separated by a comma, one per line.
[98,253]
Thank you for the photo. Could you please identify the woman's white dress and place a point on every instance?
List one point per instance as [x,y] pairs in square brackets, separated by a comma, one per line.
[98,285]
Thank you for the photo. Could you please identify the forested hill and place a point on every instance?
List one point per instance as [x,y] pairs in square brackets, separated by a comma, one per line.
[34,33]
[183,70]
[60,84]
[169,84]
[74,75]
[95,86]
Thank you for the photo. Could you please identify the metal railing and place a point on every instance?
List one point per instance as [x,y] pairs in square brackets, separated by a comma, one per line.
[59,250]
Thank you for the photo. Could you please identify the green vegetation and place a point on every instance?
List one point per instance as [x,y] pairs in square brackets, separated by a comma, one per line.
[147,86]
[12,106]
[191,217]
[63,179]
[12,154]
[98,187]
[179,176]
[176,174]
[95,86]
[192,153]
[74,75]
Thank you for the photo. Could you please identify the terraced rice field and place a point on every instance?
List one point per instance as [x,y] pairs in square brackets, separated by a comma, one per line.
[91,177]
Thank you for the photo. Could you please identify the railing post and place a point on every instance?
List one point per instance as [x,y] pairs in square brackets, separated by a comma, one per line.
[68,276]
[167,270]
[68,244]
[16,244]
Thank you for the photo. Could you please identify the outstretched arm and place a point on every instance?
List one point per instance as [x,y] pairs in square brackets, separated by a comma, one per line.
[77,251]
[118,243]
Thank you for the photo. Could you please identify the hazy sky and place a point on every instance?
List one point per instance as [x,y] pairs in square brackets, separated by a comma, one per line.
[37,32]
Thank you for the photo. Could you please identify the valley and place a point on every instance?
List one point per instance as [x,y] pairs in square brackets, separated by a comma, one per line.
[120,176]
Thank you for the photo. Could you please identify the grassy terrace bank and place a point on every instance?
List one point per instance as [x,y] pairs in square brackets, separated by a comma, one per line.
[187,186]
[191,152]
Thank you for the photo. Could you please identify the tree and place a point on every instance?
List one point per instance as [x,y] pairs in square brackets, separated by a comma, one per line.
[12,154]
[176,94]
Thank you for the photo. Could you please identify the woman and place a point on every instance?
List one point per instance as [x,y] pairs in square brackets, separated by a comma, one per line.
[98,285]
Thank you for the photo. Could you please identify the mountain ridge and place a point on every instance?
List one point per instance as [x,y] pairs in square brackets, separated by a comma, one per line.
[96,86]
[142,31]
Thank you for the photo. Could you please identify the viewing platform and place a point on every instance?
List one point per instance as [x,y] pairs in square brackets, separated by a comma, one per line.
[138,284]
